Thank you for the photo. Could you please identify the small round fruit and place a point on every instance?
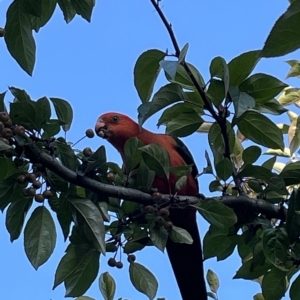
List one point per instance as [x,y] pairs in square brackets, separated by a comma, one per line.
[164,212]
[157,197]
[8,123]
[149,209]
[21,179]
[7,133]
[4,116]
[90,133]
[36,184]
[20,130]
[159,221]
[87,152]
[119,265]
[1,127]
[31,177]
[48,194]
[112,262]
[2,32]
[39,198]
[131,258]
[168,225]
[31,191]
[110,176]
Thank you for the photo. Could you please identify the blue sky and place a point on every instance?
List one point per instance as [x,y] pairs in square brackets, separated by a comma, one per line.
[91,66]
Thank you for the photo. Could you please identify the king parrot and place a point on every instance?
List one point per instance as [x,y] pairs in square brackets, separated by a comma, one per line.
[186,259]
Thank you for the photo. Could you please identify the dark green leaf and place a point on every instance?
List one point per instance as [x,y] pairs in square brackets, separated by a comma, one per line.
[241,66]
[66,154]
[295,289]
[51,128]
[18,36]
[64,215]
[143,280]
[268,164]
[157,159]
[283,37]
[132,154]
[2,104]
[216,91]
[212,240]
[84,8]
[251,154]
[170,67]
[224,169]
[215,186]
[247,272]
[166,95]
[44,109]
[63,111]
[293,219]
[107,286]
[219,68]
[257,172]
[15,216]
[67,9]
[96,160]
[132,247]
[159,236]
[270,107]
[260,130]
[216,213]
[33,7]
[48,7]
[185,124]
[291,173]
[39,236]
[274,284]
[275,245]
[146,71]
[262,87]
[145,177]
[20,95]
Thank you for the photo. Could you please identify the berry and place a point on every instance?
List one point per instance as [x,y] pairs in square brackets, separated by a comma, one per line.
[39,198]
[1,127]
[131,258]
[48,194]
[87,152]
[90,133]
[31,177]
[30,191]
[119,265]
[7,133]
[21,179]
[157,197]
[159,221]
[4,116]
[112,262]
[149,209]
[36,184]
[168,225]
[2,32]
[164,212]
[20,130]
[8,123]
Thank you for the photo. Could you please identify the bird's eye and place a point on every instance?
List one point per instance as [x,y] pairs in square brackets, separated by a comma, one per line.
[115,118]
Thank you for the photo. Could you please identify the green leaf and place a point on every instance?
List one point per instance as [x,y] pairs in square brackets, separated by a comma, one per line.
[212,280]
[132,247]
[2,104]
[289,96]
[293,219]
[20,95]
[170,66]
[216,91]
[183,79]
[241,101]
[216,213]
[293,135]
[295,68]
[15,216]
[84,274]
[66,154]
[268,164]
[157,159]
[84,298]
[180,183]
[215,186]
[39,236]
[185,124]
[295,289]
[183,53]
[256,172]
[224,169]
[51,128]
[159,237]
[291,173]
[67,9]
[143,280]
[107,286]
[146,71]
[63,111]
[262,87]
[165,96]
[283,37]
[94,220]
[276,245]
[48,7]
[219,68]
[132,154]
[18,36]
[260,130]
[274,284]
[270,107]
[33,7]
[84,8]
[251,154]
[145,177]
[241,66]
[212,240]
[180,235]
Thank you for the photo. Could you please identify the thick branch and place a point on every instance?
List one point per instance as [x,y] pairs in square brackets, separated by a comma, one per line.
[240,203]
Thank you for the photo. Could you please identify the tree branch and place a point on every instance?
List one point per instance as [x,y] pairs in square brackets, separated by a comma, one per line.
[241,202]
